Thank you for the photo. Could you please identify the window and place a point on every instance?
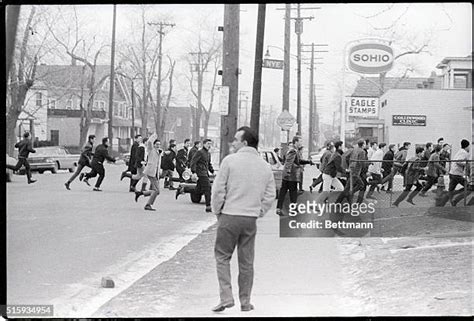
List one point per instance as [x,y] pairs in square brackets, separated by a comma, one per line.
[52,103]
[39,99]
[116,109]
[95,106]
[69,104]
[460,81]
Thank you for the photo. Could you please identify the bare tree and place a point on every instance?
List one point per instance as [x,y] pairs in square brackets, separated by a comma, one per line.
[206,51]
[22,74]
[399,35]
[88,55]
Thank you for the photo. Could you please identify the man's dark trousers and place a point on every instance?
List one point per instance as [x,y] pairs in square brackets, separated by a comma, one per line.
[235,231]
[22,161]
[97,168]
[204,186]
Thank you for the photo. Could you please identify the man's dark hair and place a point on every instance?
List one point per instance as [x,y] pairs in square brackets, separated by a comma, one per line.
[391,146]
[406,144]
[360,142]
[172,146]
[137,135]
[419,150]
[329,144]
[105,140]
[428,145]
[382,145]
[276,150]
[338,144]
[296,139]
[206,140]
[91,137]
[26,134]
[197,142]
[249,136]
[156,140]
[437,148]
[187,140]
[445,144]
[372,144]
[172,141]
[464,143]
[440,139]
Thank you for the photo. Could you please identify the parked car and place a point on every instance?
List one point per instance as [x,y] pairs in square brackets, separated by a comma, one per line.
[9,161]
[53,158]
[189,186]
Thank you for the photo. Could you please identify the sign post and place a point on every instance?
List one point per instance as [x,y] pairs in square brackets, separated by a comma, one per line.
[367,56]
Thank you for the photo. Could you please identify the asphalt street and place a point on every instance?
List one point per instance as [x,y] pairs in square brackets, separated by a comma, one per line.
[61,243]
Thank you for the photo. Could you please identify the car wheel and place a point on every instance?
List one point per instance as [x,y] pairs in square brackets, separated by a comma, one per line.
[195,197]
[54,170]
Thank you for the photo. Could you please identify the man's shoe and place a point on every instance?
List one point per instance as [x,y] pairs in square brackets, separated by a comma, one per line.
[311,188]
[86,180]
[149,208]
[31,181]
[422,195]
[96,189]
[172,188]
[131,190]
[208,209]
[67,185]
[137,195]
[278,212]
[222,306]
[247,307]
[178,192]
[81,177]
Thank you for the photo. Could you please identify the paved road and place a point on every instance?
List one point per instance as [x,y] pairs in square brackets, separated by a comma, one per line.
[61,243]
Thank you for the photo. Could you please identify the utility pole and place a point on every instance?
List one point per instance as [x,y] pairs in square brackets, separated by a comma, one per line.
[230,74]
[286,73]
[257,78]
[239,114]
[200,68]
[299,31]
[313,114]
[161,25]
[133,110]
[112,82]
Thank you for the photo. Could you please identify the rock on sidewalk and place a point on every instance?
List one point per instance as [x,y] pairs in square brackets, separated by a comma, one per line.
[107,282]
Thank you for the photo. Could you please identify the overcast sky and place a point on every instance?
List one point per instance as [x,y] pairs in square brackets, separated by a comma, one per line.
[449,24]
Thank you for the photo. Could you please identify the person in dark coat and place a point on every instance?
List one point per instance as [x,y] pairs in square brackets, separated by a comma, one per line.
[291,174]
[356,171]
[182,159]
[435,170]
[25,147]
[132,163]
[412,175]
[387,166]
[168,166]
[192,151]
[97,164]
[84,160]
[201,166]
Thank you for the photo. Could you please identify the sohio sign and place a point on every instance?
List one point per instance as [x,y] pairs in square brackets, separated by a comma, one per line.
[371,58]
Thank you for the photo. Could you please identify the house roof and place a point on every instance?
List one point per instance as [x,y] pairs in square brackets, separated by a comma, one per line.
[67,76]
[370,86]
[446,60]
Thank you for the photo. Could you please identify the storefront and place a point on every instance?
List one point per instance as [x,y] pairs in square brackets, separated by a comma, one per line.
[421,116]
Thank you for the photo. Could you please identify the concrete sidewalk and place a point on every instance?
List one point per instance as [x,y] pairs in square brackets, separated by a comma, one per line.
[293,277]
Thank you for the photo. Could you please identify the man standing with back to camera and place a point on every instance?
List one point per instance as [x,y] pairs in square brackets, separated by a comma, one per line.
[244,190]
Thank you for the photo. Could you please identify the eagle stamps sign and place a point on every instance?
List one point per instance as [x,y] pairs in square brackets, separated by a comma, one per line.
[364,107]
[409,120]
[371,58]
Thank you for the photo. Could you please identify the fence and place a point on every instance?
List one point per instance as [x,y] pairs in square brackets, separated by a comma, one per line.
[409,184]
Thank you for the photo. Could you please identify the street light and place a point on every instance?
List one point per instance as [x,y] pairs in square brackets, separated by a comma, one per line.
[267,54]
